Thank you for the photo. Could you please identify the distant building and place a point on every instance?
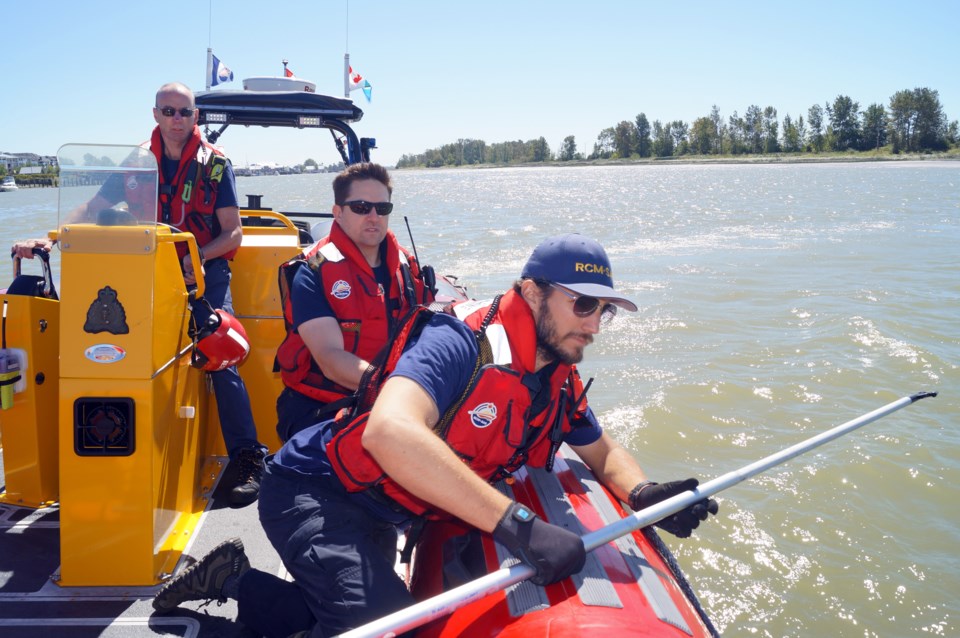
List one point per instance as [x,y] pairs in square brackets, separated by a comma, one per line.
[15,161]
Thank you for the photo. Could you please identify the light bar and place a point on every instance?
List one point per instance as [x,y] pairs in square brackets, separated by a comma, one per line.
[308,120]
[216,118]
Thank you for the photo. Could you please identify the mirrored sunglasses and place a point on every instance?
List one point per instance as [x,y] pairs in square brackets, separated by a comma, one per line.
[362,207]
[584,305]
[169,111]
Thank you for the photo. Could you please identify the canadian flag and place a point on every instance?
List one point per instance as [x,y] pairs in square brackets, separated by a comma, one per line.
[357,82]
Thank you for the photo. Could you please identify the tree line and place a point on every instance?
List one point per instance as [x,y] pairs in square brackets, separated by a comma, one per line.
[912,122]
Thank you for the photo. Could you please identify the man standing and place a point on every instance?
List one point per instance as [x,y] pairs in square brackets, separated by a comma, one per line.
[342,299]
[197,194]
[467,402]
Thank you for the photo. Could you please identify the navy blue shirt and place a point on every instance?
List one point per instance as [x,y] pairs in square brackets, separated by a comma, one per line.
[114,192]
[307,297]
[441,361]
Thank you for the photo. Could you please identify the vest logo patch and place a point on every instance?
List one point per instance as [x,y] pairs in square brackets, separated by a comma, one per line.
[483,415]
[340,289]
[132,182]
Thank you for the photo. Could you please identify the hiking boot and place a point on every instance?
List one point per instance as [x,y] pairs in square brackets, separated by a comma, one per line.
[249,473]
[204,579]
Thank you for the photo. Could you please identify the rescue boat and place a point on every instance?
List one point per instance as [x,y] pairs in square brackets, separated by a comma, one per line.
[111,450]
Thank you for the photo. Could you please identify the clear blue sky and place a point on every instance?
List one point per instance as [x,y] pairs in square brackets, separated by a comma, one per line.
[495,70]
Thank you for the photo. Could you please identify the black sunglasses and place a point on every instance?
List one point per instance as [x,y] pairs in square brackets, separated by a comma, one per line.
[169,111]
[584,306]
[362,207]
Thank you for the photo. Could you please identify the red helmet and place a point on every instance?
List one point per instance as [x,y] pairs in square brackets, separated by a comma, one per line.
[220,343]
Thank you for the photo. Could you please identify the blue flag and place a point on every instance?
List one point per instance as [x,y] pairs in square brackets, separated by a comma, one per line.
[220,73]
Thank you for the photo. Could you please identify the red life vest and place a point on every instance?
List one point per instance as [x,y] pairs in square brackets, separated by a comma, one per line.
[358,303]
[187,202]
[490,426]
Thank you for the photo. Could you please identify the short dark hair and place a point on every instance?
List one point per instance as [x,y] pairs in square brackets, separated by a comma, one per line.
[355,172]
[543,285]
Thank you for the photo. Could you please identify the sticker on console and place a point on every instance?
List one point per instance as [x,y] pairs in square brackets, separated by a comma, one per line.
[105,353]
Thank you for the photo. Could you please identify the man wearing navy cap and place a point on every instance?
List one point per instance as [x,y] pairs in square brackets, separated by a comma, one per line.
[466,403]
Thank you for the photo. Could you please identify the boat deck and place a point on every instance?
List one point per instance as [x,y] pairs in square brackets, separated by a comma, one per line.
[32,605]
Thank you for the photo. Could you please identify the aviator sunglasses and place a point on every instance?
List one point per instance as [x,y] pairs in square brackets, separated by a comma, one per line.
[362,207]
[169,111]
[584,306]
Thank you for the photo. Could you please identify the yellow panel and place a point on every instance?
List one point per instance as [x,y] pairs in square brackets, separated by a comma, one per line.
[141,295]
[29,427]
[262,383]
[121,516]
[255,268]
[125,520]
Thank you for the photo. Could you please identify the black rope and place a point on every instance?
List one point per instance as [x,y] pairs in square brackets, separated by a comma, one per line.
[678,575]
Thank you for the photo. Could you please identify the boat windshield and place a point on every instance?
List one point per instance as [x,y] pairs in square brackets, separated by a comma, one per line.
[107,185]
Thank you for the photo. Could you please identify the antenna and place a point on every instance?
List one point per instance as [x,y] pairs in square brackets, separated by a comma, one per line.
[210,46]
[346,53]
[413,245]
[427,274]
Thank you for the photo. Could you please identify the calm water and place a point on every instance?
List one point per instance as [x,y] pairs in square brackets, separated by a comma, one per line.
[776,302]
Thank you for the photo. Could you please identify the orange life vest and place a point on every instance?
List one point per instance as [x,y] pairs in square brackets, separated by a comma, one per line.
[187,201]
[357,301]
[490,427]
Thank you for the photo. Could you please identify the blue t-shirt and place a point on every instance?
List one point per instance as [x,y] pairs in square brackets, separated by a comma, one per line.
[307,297]
[441,361]
[114,192]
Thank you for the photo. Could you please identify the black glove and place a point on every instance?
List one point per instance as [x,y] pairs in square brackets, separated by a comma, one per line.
[683,522]
[553,551]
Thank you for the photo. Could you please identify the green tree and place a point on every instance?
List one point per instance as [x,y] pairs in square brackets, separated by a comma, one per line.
[717,129]
[624,139]
[603,147]
[311,162]
[753,129]
[901,120]
[662,140]
[680,132]
[874,127]
[644,144]
[771,143]
[930,124]
[568,150]
[844,123]
[703,134]
[540,150]
[735,134]
[791,136]
[953,132]
[815,120]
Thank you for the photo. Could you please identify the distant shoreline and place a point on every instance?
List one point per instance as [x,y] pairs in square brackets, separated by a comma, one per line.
[752,159]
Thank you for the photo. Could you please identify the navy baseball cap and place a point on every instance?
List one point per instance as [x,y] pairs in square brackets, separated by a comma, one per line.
[578,263]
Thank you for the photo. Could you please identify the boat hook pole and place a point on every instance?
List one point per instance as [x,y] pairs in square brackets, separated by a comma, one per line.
[449,601]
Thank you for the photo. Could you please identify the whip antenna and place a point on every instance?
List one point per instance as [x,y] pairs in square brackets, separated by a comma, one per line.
[410,235]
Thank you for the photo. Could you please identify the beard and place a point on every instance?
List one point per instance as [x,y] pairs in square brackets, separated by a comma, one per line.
[549,342]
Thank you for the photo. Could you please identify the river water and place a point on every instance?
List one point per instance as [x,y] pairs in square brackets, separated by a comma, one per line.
[776,301]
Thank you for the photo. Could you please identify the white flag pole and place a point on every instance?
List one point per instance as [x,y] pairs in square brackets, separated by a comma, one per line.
[209,66]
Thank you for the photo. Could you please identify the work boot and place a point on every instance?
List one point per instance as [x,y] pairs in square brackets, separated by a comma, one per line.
[204,579]
[249,473]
